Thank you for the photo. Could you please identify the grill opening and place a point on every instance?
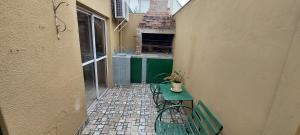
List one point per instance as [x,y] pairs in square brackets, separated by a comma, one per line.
[157,43]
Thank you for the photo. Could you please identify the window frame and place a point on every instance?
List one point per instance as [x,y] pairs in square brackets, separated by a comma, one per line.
[95,59]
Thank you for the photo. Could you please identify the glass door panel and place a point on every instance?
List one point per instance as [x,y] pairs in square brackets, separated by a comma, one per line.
[90,83]
[101,69]
[85,37]
[93,54]
[100,37]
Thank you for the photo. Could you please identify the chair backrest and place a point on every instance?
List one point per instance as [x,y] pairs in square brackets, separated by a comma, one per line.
[205,120]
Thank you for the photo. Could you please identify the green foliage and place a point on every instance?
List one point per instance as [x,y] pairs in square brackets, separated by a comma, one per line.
[176,76]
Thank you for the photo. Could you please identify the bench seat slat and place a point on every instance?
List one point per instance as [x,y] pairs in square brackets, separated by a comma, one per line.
[179,130]
[206,120]
[169,129]
[164,128]
[159,128]
[217,124]
[199,122]
[183,129]
[194,126]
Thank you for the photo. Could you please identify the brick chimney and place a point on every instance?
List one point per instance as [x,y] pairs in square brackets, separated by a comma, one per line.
[157,20]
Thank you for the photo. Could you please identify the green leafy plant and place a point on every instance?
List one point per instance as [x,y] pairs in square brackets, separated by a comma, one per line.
[176,77]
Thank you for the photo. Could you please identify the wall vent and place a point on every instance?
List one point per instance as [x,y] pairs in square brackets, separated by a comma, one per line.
[121,10]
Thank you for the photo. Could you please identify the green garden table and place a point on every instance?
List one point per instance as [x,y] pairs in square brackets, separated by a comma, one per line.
[168,95]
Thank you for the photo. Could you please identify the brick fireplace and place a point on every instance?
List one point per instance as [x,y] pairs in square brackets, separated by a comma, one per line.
[155,32]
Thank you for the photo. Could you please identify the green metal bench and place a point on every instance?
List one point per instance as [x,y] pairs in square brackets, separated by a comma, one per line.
[200,121]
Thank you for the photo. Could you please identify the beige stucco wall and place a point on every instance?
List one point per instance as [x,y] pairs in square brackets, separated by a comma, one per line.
[284,118]
[101,6]
[234,56]
[298,131]
[129,32]
[41,79]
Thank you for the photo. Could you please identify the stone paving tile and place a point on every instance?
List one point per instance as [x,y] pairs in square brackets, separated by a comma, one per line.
[125,111]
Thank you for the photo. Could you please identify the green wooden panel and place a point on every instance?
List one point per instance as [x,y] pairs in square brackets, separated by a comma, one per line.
[157,66]
[136,70]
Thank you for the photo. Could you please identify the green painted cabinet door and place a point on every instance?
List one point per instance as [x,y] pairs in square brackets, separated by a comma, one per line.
[135,70]
[157,66]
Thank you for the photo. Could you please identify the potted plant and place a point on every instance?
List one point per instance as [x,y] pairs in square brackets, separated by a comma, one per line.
[176,78]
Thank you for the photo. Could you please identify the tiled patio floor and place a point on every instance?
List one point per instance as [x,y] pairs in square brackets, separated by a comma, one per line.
[129,111]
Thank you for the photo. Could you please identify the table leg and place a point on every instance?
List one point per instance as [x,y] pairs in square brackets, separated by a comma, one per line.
[165,102]
[180,102]
[164,105]
[192,104]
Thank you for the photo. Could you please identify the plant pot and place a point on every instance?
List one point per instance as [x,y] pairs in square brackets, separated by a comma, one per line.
[176,87]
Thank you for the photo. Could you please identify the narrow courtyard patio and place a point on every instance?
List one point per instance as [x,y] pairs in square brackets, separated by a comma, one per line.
[85,67]
[122,110]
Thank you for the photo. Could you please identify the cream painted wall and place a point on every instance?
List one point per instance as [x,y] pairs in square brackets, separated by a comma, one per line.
[41,79]
[233,54]
[101,6]
[42,90]
[298,131]
[129,32]
[284,118]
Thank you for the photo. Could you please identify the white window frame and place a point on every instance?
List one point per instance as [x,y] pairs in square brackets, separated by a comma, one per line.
[95,60]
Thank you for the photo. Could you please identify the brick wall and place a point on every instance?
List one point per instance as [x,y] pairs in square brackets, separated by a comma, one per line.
[157,18]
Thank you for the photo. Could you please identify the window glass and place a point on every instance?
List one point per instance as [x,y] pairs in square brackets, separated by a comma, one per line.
[89,82]
[100,37]
[89,50]
[86,46]
[101,66]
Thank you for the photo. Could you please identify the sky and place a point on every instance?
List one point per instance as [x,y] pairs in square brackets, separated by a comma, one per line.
[183,2]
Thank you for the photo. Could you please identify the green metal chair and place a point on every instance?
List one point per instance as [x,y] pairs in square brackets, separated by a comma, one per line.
[200,121]
[154,86]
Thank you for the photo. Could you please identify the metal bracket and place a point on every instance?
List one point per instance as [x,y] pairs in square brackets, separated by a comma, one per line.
[121,25]
[60,25]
